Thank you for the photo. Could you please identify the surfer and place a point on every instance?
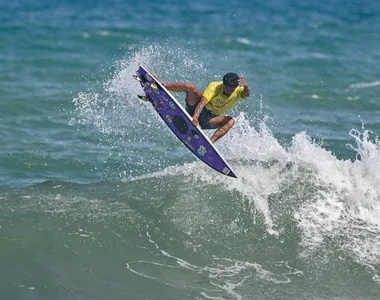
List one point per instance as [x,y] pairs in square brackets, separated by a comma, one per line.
[208,109]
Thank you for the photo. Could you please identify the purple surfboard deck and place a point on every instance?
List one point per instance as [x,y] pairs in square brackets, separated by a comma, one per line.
[179,121]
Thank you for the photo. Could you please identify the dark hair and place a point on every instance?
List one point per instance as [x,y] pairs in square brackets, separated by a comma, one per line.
[231,79]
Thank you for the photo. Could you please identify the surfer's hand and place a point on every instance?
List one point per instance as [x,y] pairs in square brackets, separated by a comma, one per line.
[242,81]
[195,122]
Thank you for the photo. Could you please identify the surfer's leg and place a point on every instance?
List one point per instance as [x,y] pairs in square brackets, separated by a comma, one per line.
[193,94]
[224,124]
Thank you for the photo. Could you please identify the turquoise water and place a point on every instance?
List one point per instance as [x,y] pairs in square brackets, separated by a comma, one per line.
[98,200]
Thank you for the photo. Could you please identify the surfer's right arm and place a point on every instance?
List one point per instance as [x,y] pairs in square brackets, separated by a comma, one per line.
[179,87]
[176,86]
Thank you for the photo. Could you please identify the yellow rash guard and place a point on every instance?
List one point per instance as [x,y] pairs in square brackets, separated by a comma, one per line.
[218,103]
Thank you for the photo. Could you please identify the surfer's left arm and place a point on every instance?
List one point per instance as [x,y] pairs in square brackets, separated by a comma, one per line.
[246,92]
[201,104]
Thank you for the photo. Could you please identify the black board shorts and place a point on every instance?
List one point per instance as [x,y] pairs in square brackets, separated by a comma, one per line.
[204,117]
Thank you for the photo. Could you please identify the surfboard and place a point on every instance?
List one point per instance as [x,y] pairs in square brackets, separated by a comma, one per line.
[180,122]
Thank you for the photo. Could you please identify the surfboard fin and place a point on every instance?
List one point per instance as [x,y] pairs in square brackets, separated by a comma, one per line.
[141,79]
[138,78]
[144,98]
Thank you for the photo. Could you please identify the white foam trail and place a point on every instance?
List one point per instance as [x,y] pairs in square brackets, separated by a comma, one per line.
[222,277]
[256,181]
[364,84]
[244,41]
[341,201]
[346,207]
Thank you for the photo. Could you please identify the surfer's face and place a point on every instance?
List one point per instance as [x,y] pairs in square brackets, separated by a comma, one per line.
[228,90]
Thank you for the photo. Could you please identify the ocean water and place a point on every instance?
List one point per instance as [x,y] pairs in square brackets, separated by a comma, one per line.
[98,200]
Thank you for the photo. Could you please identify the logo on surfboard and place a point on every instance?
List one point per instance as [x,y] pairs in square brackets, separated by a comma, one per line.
[202,150]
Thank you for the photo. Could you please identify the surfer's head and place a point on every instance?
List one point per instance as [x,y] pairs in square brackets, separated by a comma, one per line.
[230,82]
